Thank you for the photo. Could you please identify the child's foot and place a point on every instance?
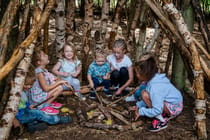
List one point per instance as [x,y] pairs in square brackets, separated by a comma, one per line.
[49,110]
[157,125]
[130,98]
[32,127]
[56,105]
[65,119]
[92,95]
[78,94]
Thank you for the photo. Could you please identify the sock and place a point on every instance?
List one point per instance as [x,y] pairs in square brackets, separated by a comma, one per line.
[160,117]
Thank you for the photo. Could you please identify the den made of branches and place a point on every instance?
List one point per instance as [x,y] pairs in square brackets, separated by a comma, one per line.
[90,25]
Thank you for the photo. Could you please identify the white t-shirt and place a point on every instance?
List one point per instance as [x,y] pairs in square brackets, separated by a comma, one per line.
[126,62]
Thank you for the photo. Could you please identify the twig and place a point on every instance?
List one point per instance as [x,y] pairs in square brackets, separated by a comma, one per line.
[43,102]
[99,98]
[116,101]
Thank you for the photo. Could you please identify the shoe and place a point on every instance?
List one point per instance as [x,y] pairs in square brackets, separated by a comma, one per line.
[92,95]
[65,119]
[56,105]
[18,131]
[32,127]
[78,94]
[49,110]
[107,92]
[130,98]
[158,125]
[167,117]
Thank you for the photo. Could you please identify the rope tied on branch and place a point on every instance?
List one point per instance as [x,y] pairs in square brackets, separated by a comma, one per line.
[200,105]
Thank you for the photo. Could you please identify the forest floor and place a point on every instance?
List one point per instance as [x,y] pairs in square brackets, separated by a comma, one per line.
[180,128]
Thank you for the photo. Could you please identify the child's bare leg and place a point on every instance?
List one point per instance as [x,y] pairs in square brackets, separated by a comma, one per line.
[146,98]
[16,123]
[55,93]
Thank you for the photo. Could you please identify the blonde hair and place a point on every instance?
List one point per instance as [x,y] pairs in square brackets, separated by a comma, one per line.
[73,49]
[100,54]
[120,43]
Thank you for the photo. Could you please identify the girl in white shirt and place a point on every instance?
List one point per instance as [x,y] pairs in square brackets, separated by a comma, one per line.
[121,67]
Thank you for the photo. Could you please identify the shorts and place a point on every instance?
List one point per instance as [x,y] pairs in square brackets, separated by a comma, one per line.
[174,109]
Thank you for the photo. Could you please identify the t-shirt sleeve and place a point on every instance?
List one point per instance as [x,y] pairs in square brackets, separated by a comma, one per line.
[108,70]
[90,69]
[38,70]
[129,62]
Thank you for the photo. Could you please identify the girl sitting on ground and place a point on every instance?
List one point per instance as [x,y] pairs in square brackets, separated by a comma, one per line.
[46,86]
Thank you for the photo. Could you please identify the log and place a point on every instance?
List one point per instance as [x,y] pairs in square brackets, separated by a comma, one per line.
[120,117]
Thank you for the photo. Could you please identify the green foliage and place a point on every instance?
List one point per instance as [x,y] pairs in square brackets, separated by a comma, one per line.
[205,5]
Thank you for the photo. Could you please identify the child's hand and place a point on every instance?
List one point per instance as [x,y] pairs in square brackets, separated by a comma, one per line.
[32,107]
[91,85]
[106,77]
[69,86]
[66,74]
[74,75]
[119,91]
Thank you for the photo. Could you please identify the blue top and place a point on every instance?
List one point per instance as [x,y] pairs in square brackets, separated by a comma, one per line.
[98,71]
[160,90]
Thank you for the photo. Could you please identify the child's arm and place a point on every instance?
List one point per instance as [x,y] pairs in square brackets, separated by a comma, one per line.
[78,70]
[130,73]
[44,84]
[56,71]
[90,81]
[107,76]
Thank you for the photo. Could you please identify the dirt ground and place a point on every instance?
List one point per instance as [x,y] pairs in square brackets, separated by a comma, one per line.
[180,128]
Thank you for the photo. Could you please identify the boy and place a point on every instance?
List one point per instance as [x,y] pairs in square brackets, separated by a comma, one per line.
[98,74]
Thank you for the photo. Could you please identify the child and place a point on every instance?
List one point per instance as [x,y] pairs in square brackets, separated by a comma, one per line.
[69,68]
[98,74]
[33,118]
[160,99]
[45,86]
[121,67]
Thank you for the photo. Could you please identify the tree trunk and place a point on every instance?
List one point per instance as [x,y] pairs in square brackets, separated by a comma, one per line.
[60,26]
[19,52]
[135,18]
[46,36]
[6,28]
[86,36]
[70,23]
[105,10]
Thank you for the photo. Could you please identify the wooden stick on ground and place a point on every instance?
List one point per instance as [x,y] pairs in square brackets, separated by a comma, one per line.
[99,98]
[116,101]
[43,102]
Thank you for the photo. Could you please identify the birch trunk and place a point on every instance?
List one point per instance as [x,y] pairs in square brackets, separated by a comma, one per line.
[200,105]
[60,26]
[15,92]
[19,52]
[6,28]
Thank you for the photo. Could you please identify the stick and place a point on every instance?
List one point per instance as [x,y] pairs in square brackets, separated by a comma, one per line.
[116,101]
[98,96]
[43,102]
